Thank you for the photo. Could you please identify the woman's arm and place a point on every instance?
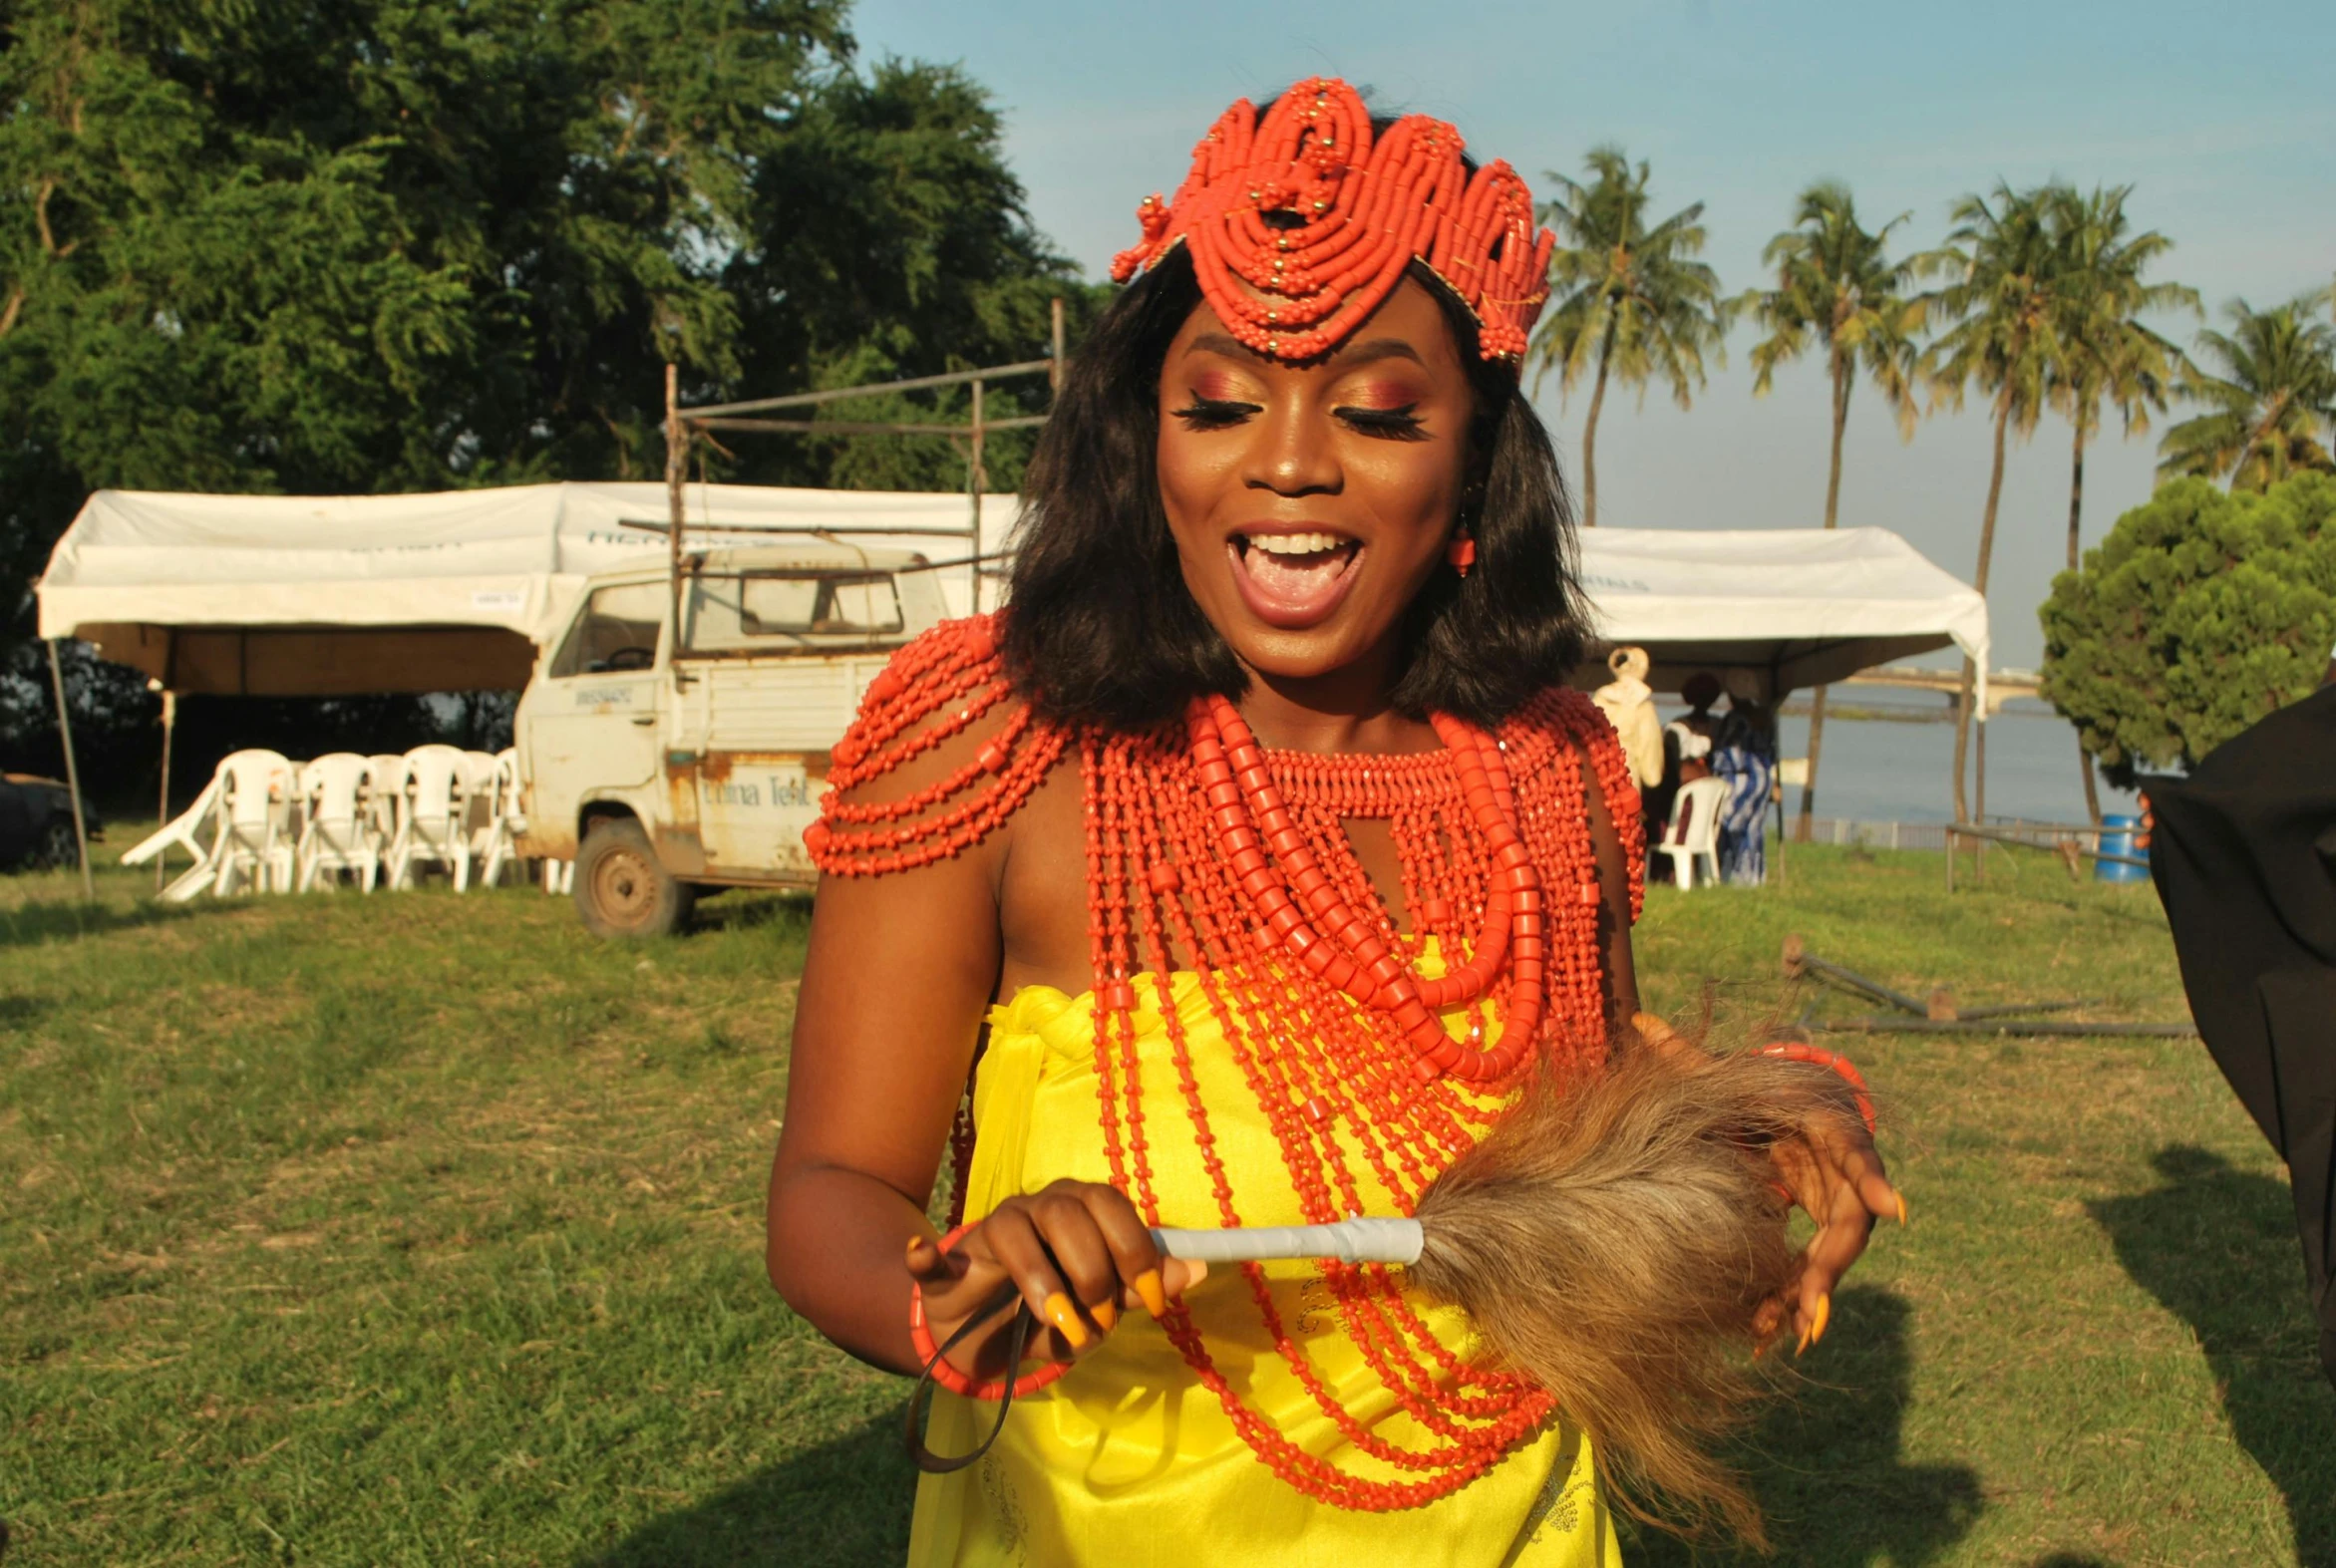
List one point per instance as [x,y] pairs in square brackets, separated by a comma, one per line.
[899,972]
[902,966]
[1621,972]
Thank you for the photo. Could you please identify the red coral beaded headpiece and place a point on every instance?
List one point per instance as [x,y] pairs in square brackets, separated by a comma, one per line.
[1354,211]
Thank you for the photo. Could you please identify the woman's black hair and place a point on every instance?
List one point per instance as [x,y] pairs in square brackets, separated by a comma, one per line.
[1100,627]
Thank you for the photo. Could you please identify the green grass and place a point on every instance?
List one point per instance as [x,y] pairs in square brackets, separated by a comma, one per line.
[421,1229]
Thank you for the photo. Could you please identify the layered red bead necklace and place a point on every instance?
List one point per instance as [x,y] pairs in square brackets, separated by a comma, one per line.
[1211,855]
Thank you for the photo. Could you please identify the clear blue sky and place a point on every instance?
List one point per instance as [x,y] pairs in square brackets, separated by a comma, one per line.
[2222,117]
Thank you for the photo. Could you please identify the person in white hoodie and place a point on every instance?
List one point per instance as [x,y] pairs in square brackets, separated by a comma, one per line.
[1629,705]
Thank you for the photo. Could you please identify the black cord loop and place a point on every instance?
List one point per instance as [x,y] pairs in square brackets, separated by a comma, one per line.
[1017,1343]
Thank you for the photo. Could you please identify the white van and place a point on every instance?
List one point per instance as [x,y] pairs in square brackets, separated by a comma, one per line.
[662,766]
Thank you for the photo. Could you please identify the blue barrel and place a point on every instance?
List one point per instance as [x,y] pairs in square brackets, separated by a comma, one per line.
[2116,838]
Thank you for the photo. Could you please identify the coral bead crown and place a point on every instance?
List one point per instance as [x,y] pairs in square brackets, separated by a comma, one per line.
[1301,221]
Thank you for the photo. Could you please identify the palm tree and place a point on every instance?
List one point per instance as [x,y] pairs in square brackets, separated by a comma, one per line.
[1836,287]
[1629,298]
[2108,356]
[2277,394]
[2001,265]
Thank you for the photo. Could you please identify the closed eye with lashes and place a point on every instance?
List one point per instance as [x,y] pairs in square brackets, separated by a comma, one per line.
[1216,412]
[1400,424]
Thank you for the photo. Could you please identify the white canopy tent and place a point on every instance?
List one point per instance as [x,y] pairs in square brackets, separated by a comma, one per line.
[331,595]
[294,595]
[1798,607]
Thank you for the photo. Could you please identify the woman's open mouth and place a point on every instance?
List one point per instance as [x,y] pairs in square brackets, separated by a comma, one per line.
[1293,578]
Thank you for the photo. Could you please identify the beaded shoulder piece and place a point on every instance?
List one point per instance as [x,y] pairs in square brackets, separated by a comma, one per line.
[937,687]
[1574,717]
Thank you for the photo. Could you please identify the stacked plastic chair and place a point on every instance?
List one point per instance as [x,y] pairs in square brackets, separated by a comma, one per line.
[340,834]
[496,845]
[433,810]
[253,839]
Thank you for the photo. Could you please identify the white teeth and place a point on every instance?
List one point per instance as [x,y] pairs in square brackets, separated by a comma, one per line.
[1295,543]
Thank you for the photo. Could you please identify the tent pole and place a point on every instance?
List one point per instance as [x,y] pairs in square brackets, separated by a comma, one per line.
[1979,771]
[162,805]
[676,468]
[89,885]
[973,484]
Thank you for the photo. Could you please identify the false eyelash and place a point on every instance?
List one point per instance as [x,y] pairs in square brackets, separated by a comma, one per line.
[1216,412]
[1396,423]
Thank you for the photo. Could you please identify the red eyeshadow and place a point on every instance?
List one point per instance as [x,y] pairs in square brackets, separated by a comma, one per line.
[1382,395]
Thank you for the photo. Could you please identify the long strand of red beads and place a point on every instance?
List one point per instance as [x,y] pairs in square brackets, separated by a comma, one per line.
[1212,857]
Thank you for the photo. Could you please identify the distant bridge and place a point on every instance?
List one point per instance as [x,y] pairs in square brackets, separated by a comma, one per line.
[2002,685]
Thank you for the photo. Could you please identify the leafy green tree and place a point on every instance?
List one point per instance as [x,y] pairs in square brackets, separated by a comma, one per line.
[406,245]
[1837,289]
[2269,407]
[2109,356]
[1628,299]
[2200,613]
[2001,265]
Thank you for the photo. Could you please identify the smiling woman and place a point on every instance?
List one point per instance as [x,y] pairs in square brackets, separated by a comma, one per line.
[1237,875]
[1401,437]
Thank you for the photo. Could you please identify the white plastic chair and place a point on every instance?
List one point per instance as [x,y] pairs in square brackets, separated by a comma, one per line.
[339,834]
[389,790]
[497,843]
[432,816]
[195,830]
[1693,832]
[256,790]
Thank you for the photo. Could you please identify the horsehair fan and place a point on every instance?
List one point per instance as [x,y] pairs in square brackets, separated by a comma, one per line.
[1613,1239]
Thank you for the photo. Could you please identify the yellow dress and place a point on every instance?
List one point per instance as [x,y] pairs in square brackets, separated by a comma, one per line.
[1129,1460]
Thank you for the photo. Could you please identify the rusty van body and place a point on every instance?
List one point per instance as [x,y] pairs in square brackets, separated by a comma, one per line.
[664,764]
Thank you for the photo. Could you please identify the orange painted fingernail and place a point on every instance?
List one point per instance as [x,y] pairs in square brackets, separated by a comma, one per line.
[1065,1318]
[1154,1293]
[1824,1315]
[1901,1208]
[913,1243]
[1106,1314]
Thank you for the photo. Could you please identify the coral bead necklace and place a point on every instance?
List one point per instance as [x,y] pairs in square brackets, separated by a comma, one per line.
[1212,857]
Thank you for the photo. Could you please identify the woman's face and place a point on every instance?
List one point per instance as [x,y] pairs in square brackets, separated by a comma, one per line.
[1309,502]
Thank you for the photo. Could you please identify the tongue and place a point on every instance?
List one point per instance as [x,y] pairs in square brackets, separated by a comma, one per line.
[1296,581]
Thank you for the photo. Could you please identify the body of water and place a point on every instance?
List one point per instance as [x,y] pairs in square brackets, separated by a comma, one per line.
[1898,769]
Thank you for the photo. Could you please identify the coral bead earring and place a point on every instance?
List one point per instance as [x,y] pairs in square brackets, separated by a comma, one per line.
[1461,553]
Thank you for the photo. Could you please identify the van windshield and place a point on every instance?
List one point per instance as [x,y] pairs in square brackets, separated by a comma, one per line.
[618,631]
[765,611]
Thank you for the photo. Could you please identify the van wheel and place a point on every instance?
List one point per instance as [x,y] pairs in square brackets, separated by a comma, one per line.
[621,890]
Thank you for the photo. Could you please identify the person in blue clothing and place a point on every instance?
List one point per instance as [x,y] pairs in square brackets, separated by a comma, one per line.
[1744,751]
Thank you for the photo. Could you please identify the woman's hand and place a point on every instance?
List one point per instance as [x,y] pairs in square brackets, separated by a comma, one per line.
[1838,1179]
[1077,1253]
[1835,1174]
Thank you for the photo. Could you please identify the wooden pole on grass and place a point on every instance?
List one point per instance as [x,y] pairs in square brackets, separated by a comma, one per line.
[89,883]
[1980,767]
[162,802]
